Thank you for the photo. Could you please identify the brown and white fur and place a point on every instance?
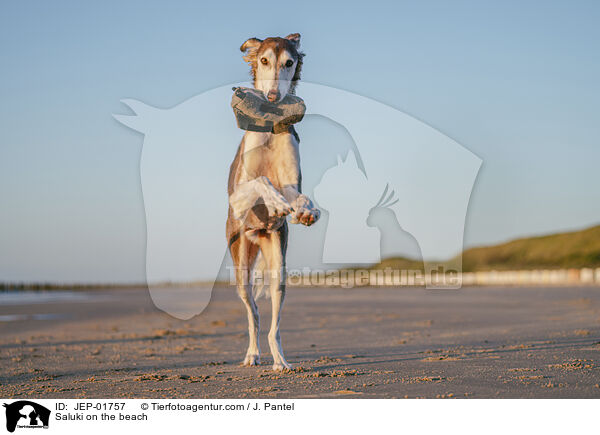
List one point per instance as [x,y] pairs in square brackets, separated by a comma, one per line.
[264,187]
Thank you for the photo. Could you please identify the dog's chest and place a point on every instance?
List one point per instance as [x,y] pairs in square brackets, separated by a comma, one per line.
[269,155]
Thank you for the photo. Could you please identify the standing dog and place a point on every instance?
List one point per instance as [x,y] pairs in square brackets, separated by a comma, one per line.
[264,187]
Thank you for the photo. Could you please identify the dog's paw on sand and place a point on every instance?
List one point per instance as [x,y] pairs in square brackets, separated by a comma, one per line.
[282,367]
[251,360]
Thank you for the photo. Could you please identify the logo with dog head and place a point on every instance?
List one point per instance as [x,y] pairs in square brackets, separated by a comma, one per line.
[26,414]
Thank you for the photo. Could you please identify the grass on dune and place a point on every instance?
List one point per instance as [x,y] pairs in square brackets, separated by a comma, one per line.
[575,249]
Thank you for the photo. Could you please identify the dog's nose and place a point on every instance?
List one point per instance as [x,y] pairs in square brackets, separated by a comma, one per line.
[273,95]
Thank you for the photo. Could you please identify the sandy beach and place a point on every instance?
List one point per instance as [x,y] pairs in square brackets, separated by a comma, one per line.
[367,343]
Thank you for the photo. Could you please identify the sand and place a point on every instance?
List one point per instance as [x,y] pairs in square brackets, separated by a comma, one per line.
[353,343]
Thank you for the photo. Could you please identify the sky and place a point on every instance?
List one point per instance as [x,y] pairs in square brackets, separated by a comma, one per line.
[513,82]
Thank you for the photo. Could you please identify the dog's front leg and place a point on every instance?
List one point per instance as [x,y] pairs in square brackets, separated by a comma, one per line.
[247,194]
[305,212]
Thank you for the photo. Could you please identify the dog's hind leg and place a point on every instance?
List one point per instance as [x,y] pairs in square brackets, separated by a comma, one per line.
[274,247]
[243,253]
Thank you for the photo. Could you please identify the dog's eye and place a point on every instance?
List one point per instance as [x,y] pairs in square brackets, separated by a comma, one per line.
[264,60]
[289,63]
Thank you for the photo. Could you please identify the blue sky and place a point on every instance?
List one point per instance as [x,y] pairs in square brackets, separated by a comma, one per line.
[514,82]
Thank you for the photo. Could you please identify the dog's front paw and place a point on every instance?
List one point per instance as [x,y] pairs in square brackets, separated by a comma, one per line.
[306,216]
[305,212]
[277,206]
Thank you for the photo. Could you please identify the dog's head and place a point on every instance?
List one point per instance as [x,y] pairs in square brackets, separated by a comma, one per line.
[275,64]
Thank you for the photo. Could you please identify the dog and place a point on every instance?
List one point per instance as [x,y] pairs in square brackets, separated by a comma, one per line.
[266,172]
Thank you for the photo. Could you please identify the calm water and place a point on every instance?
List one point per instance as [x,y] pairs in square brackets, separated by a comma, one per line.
[42,316]
[40,298]
[180,302]
[44,297]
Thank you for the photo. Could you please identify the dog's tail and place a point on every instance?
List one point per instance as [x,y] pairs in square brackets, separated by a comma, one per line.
[259,276]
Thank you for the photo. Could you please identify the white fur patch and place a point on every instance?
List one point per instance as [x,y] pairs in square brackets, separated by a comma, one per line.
[245,196]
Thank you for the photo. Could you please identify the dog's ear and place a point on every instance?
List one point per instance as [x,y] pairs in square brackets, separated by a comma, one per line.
[249,49]
[295,38]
